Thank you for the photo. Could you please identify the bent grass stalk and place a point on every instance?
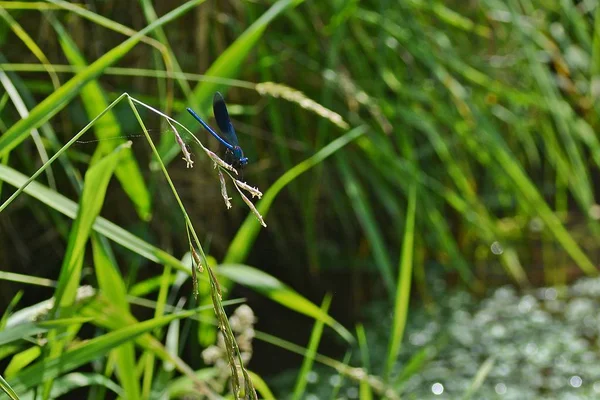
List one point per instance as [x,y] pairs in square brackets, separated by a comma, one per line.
[233,353]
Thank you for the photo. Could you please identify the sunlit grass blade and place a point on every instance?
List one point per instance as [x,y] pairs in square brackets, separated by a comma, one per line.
[91,202]
[76,381]
[112,286]
[94,100]
[22,360]
[92,199]
[19,104]
[31,44]
[261,386]
[313,345]
[480,376]
[8,389]
[354,373]
[246,235]
[371,229]
[277,291]
[101,225]
[403,285]
[60,98]
[365,389]
[52,367]
[26,5]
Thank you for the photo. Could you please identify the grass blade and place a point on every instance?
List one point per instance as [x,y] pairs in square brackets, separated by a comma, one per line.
[31,44]
[52,367]
[365,216]
[479,378]
[246,235]
[75,380]
[313,345]
[112,286]
[277,291]
[92,199]
[261,386]
[19,104]
[112,231]
[94,101]
[8,389]
[404,283]
[59,99]
[365,390]
[226,66]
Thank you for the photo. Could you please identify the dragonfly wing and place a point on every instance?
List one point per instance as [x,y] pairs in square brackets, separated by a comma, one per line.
[223,121]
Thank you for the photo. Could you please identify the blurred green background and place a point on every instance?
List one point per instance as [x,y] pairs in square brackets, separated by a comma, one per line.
[428,171]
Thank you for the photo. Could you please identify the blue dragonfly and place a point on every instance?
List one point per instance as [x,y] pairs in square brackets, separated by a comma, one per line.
[233,153]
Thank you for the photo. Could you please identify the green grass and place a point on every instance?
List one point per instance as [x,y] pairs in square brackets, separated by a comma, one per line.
[387,138]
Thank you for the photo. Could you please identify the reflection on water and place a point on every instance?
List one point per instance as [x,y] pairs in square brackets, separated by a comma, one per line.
[539,344]
[543,344]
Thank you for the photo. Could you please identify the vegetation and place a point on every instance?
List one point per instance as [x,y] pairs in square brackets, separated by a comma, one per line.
[393,145]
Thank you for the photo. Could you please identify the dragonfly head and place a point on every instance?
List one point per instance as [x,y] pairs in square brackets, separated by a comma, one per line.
[238,154]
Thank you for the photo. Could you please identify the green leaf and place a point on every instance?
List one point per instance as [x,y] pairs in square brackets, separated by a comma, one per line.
[21,360]
[63,95]
[178,388]
[91,202]
[261,386]
[366,217]
[101,225]
[112,286]
[480,376]
[92,198]
[246,235]
[277,291]
[8,389]
[365,390]
[226,66]
[75,380]
[309,357]
[21,331]
[403,286]
[95,102]
[52,367]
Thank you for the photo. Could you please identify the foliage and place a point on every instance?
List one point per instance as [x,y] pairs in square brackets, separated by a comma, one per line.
[386,136]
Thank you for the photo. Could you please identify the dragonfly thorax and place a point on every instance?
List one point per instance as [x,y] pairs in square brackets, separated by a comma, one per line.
[234,152]
[238,154]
